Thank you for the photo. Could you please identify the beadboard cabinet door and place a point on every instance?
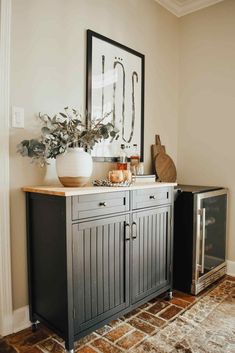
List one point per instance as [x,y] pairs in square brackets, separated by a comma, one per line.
[100,269]
[151,251]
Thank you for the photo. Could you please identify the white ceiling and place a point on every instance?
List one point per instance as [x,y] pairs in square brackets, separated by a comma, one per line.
[183,7]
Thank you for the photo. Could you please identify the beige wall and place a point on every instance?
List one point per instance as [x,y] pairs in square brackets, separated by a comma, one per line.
[48,73]
[206,153]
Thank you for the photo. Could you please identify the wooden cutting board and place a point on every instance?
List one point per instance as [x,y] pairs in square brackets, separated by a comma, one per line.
[155,150]
[165,168]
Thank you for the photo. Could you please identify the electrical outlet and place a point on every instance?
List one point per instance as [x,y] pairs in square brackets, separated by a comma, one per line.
[17,117]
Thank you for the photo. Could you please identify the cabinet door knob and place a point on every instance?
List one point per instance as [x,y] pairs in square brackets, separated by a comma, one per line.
[152,197]
[103,204]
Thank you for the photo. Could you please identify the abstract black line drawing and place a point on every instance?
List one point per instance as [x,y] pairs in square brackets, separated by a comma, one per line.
[103,64]
[116,63]
[134,77]
[115,83]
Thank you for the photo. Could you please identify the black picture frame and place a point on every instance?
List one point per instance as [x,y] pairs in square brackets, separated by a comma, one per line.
[90,36]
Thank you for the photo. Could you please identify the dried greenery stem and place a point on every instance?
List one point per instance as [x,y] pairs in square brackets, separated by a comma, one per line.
[66,130]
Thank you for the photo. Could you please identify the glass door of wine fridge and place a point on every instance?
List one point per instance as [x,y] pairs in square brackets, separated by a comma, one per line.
[210,237]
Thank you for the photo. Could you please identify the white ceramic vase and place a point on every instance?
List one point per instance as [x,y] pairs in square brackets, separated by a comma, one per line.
[51,177]
[74,167]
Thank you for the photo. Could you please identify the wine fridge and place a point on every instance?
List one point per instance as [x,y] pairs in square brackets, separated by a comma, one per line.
[199,236]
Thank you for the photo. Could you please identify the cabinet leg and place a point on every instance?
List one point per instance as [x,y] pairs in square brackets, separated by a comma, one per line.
[69,346]
[169,295]
[34,326]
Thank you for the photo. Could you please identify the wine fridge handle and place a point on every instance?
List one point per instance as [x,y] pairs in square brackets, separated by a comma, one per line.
[203,239]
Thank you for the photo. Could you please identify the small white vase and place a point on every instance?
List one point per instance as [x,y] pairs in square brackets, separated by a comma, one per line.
[51,177]
[74,167]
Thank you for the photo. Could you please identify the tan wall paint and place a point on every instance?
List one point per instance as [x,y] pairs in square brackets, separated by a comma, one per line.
[206,153]
[48,73]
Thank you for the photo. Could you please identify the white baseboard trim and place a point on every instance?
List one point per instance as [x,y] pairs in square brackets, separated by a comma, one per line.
[231,268]
[21,319]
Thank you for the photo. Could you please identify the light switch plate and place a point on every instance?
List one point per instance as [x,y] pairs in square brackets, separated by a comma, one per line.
[17,117]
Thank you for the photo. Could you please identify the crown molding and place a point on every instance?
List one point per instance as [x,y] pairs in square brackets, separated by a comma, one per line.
[179,9]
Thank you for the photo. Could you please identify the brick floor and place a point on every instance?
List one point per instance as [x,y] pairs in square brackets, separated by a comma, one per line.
[85,340]
[118,332]
[135,332]
[151,319]
[142,325]
[179,302]
[51,346]
[170,312]
[157,307]
[186,297]
[86,350]
[104,346]
[131,339]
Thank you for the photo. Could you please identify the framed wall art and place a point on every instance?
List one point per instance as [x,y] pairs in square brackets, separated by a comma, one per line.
[115,86]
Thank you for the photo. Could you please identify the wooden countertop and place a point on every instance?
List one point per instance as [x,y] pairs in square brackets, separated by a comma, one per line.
[66,191]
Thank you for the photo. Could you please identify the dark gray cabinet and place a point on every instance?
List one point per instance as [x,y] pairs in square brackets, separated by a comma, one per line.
[89,206]
[151,251]
[93,258]
[100,270]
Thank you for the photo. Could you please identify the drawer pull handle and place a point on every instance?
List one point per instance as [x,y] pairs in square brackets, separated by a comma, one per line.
[152,197]
[134,230]
[127,231]
[103,204]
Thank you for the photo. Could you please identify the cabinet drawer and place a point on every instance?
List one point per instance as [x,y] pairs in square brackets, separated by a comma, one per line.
[94,205]
[151,197]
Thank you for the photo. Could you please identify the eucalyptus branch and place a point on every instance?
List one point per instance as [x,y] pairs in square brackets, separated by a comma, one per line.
[63,131]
